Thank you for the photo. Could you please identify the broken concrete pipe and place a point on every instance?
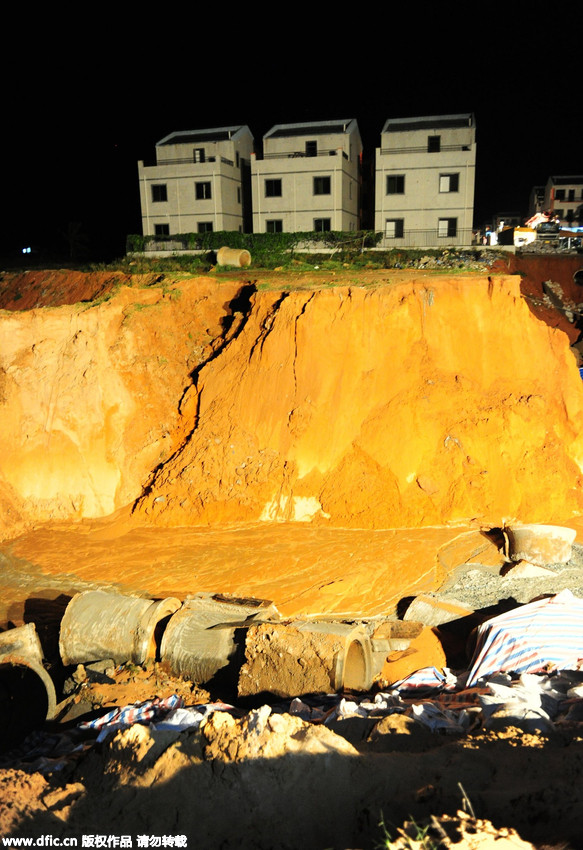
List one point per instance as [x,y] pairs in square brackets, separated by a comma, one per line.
[304,657]
[233,257]
[27,692]
[201,638]
[99,625]
[539,544]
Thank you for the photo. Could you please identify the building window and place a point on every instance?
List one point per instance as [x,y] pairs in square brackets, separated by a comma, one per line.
[274,225]
[159,193]
[237,159]
[571,195]
[205,227]
[322,225]
[433,144]
[321,185]
[203,191]
[238,194]
[449,182]
[273,188]
[161,230]
[394,228]
[447,227]
[396,184]
[311,148]
[559,194]
[199,155]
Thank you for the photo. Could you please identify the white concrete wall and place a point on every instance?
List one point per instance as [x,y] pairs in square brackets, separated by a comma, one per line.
[423,203]
[298,206]
[176,170]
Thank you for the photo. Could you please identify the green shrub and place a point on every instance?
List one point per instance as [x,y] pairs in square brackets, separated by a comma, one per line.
[259,244]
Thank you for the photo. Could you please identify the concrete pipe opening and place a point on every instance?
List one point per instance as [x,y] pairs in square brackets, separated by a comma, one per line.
[99,625]
[233,257]
[27,699]
[305,657]
[354,672]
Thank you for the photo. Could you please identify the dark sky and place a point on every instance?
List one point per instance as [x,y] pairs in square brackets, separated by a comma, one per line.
[87,100]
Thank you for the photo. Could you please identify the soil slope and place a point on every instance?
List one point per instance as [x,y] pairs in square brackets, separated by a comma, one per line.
[291,435]
[429,400]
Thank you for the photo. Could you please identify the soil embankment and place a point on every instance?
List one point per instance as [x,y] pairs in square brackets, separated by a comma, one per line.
[286,432]
[332,446]
[431,400]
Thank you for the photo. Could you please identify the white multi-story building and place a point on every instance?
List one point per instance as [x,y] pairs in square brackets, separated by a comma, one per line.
[424,181]
[308,179]
[199,182]
[563,199]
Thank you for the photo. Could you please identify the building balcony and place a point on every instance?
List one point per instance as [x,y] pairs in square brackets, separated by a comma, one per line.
[190,160]
[423,149]
[303,155]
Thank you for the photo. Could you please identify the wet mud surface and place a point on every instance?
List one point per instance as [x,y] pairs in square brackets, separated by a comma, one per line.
[286,782]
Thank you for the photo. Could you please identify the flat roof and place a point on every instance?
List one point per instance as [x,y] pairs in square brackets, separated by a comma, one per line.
[568,178]
[428,122]
[214,134]
[313,128]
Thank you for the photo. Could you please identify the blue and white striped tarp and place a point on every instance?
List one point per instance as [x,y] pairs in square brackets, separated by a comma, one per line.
[541,636]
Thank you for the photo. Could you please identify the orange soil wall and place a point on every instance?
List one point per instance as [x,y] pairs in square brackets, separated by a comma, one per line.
[435,400]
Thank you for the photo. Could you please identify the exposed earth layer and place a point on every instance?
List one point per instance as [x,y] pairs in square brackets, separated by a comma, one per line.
[332,442]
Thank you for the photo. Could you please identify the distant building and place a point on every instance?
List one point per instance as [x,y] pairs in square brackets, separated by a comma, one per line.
[536,203]
[425,175]
[308,179]
[564,200]
[200,182]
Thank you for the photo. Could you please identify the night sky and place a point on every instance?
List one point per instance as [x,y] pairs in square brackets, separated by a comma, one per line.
[82,106]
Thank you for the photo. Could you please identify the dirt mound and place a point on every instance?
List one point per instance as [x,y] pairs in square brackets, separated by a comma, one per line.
[31,289]
[285,782]
[461,831]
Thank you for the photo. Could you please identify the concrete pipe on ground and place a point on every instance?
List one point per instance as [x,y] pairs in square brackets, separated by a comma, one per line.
[27,692]
[304,657]
[233,257]
[539,544]
[200,639]
[99,625]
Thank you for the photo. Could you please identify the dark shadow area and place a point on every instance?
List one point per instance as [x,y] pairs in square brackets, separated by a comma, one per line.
[223,685]
[23,704]
[402,606]
[46,612]
[316,801]
[240,304]
[495,536]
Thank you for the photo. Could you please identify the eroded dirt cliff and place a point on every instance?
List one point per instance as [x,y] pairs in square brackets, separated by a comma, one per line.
[426,400]
[91,394]
[372,405]
[430,401]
